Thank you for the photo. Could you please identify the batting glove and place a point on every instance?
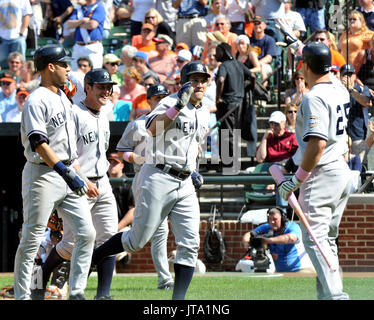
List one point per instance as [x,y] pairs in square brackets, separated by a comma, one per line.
[184,95]
[197,180]
[75,183]
[288,186]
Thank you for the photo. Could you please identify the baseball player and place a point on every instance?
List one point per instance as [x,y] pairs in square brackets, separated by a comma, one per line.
[131,148]
[93,134]
[164,187]
[48,183]
[322,175]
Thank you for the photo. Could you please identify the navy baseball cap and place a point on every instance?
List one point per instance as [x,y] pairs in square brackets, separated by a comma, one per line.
[157,90]
[348,69]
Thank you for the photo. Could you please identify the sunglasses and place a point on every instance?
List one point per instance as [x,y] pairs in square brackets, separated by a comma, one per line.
[257,23]
[113,63]
[299,78]
[211,55]
[220,24]
[14,62]
[352,19]
[319,39]
[292,111]
[148,18]
[4,83]
[180,61]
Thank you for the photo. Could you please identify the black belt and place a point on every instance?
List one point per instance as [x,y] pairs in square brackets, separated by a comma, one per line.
[65,162]
[179,174]
[191,16]
[94,178]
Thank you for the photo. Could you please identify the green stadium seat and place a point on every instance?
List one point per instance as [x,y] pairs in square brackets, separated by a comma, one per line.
[42,41]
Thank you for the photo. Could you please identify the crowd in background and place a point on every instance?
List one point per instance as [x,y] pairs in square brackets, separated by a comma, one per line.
[165,35]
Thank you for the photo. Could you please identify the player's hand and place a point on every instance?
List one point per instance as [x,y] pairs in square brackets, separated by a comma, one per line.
[75,183]
[288,186]
[92,191]
[184,95]
[197,180]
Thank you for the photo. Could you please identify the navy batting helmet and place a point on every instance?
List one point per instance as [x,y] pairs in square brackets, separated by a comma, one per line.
[157,90]
[192,68]
[98,75]
[48,54]
[317,56]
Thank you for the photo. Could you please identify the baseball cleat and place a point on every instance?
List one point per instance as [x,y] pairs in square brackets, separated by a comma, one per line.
[167,286]
[78,296]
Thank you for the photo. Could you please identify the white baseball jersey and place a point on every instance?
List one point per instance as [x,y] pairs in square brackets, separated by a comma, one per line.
[134,139]
[93,134]
[50,115]
[323,113]
[178,144]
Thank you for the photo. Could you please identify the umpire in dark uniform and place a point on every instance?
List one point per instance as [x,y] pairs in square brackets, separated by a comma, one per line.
[229,98]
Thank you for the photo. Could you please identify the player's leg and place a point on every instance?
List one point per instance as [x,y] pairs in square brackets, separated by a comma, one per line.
[105,220]
[159,256]
[185,223]
[41,189]
[324,214]
[76,213]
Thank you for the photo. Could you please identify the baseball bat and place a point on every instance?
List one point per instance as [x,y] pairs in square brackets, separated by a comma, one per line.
[278,176]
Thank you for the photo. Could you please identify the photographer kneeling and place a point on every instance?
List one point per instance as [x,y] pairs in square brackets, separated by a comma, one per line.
[283,239]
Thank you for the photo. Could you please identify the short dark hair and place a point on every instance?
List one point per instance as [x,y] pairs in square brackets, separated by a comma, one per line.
[85,59]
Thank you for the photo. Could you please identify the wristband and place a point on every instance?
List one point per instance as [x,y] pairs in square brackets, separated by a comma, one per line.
[60,168]
[126,156]
[301,174]
[172,113]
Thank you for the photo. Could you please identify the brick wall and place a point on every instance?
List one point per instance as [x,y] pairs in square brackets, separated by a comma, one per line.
[356,241]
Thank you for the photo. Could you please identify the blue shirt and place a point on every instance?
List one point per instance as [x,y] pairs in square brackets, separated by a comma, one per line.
[7,104]
[122,110]
[188,7]
[96,13]
[288,256]
[264,46]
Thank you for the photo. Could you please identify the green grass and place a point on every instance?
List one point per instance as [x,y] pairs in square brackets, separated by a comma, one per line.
[230,287]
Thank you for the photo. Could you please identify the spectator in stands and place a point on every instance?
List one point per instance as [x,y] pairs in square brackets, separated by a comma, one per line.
[14,115]
[191,25]
[235,11]
[128,53]
[108,6]
[61,12]
[111,63]
[7,94]
[183,57]
[295,21]
[270,11]
[13,29]
[366,73]
[77,77]
[29,76]
[290,112]
[299,89]
[165,61]
[285,243]
[131,87]
[144,42]
[140,62]
[180,46]
[277,144]
[370,139]
[245,54]
[88,23]
[367,10]
[230,93]
[137,14]
[121,107]
[15,61]
[222,26]
[328,39]
[122,12]
[215,10]
[358,117]
[264,45]
[359,37]
[313,13]
[154,17]
[168,12]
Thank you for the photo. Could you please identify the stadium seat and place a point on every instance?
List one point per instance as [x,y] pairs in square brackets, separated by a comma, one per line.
[42,41]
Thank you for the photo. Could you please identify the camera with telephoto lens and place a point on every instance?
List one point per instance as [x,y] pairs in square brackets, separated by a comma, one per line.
[257,250]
